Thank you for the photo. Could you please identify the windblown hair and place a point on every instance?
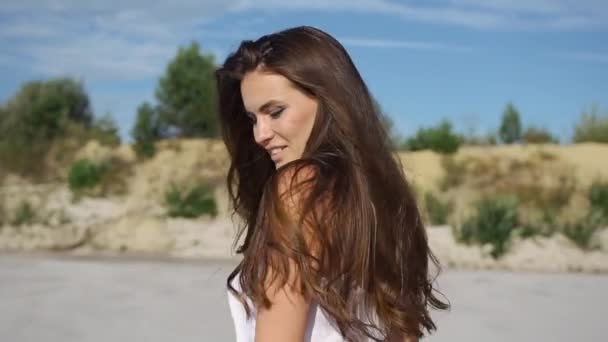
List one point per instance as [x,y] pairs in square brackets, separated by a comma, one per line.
[342,217]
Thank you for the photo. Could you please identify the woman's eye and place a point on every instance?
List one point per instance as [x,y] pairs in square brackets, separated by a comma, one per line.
[276,113]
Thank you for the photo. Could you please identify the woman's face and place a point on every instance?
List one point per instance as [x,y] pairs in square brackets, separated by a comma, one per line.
[282,115]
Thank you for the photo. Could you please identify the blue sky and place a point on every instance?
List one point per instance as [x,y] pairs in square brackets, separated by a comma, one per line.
[424,60]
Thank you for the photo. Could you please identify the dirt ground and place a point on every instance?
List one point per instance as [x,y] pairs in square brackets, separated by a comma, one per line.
[55,298]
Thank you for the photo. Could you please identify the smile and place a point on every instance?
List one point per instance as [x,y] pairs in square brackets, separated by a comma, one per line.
[275,152]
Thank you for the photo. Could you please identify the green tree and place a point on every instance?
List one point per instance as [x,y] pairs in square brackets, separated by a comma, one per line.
[146,130]
[41,109]
[186,94]
[35,117]
[510,128]
[439,138]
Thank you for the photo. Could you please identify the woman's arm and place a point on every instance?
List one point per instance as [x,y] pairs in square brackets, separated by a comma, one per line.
[286,319]
[400,337]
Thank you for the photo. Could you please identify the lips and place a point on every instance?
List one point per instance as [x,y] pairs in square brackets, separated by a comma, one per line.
[275,152]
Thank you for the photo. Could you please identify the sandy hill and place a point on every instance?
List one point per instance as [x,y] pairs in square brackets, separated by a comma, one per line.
[133,218]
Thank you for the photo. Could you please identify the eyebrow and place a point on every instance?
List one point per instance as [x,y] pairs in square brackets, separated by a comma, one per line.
[265,106]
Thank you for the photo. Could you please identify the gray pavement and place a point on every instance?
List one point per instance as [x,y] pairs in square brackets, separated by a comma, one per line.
[54,298]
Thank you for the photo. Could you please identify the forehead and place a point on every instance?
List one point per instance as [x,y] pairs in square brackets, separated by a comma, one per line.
[258,87]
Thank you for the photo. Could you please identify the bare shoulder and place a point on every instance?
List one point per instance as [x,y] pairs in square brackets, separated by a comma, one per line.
[402,338]
[294,185]
[286,318]
[295,178]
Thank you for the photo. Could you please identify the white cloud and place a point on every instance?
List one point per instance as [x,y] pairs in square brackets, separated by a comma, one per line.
[134,38]
[22,30]
[479,14]
[399,44]
[101,40]
[544,14]
[542,6]
[101,57]
[538,6]
[586,56]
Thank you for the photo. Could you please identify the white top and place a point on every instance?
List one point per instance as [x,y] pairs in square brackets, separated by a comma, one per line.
[318,328]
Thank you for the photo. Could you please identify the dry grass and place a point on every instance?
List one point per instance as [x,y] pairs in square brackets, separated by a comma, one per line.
[551,181]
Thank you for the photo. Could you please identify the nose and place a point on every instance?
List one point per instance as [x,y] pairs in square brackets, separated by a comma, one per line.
[262,132]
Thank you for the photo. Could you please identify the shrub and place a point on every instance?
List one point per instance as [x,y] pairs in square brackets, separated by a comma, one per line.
[24,215]
[84,174]
[146,131]
[490,139]
[598,197]
[40,109]
[22,156]
[436,209]
[105,131]
[439,138]
[114,179]
[547,197]
[190,203]
[99,179]
[454,172]
[543,227]
[42,122]
[581,233]
[593,126]
[529,230]
[2,214]
[534,135]
[493,223]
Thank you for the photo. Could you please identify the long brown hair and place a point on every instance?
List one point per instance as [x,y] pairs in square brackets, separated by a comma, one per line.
[357,243]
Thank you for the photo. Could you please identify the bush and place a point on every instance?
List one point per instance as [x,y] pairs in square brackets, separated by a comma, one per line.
[436,209]
[440,139]
[534,135]
[454,172]
[114,179]
[528,231]
[493,223]
[196,202]
[545,226]
[490,139]
[593,126]
[39,119]
[23,157]
[40,109]
[84,174]
[598,197]
[581,233]
[3,218]
[146,131]
[24,215]
[105,131]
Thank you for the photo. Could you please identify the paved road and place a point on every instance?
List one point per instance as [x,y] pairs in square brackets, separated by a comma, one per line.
[65,299]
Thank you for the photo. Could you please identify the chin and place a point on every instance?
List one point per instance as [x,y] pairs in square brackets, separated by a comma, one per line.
[282,162]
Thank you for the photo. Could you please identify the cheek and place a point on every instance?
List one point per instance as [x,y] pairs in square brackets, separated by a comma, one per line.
[306,118]
[300,127]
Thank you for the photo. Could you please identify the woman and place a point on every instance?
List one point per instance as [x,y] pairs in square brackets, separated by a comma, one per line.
[334,246]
